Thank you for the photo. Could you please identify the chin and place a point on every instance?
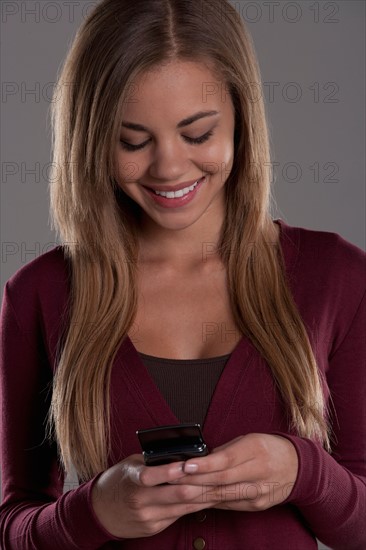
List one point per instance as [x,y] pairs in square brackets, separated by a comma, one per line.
[173,225]
[174,221]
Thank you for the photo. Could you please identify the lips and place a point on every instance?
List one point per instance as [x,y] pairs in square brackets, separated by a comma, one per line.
[167,188]
[177,194]
[179,199]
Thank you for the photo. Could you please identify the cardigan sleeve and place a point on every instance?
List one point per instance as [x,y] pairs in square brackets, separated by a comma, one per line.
[330,490]
[35,513]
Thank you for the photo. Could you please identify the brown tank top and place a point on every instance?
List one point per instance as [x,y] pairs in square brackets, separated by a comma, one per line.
[187,385]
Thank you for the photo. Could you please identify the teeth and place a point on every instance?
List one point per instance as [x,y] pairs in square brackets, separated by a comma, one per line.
[177,194]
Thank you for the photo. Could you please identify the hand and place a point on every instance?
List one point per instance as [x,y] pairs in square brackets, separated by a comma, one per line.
[131,500]
[250,473]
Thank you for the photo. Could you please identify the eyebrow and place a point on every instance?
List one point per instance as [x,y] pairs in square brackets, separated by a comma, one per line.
[181,124]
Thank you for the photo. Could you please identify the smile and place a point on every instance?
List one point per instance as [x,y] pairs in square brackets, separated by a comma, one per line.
[177,194]
[175,199]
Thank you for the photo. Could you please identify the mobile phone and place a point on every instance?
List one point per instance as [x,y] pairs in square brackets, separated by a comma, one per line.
[171,443]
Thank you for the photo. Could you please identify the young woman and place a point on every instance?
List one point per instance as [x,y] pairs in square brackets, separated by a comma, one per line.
[176,298]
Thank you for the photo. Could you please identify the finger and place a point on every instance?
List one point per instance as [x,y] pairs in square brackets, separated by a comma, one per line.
[177,494]
[166,495]
[234,453]
[248,472]
[172,512]
[179,510]
[243,497]
[135,470]
[149,476]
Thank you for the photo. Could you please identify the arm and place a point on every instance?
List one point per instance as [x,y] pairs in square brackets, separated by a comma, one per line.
[35,514]
[330,491]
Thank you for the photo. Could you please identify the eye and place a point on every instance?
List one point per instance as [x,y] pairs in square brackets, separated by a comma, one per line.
[201,139]
[130,147]
[194,141]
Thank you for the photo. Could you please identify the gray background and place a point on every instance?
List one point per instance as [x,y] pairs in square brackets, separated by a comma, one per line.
[313,72]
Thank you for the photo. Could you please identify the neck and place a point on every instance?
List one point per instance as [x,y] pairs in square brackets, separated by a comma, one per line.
[191,246]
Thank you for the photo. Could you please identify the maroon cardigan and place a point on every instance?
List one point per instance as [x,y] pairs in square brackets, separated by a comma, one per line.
[328,501]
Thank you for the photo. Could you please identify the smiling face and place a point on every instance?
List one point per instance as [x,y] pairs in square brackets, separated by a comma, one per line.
[177,139]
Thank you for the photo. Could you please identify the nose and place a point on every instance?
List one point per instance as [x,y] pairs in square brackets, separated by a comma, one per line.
[169,161]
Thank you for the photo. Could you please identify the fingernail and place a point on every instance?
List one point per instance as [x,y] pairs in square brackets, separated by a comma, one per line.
[179,468]
[190,468]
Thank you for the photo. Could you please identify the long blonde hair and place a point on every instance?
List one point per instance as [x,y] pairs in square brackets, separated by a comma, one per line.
[98,223]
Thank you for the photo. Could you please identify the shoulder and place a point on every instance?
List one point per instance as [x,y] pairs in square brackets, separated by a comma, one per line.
[327,276]
[48,268]
[324,255]
[40,288]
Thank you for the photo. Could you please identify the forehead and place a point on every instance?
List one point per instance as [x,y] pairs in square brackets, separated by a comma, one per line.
[176,89]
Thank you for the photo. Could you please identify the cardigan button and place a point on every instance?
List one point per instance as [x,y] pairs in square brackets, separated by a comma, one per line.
[201,516]
[199,543]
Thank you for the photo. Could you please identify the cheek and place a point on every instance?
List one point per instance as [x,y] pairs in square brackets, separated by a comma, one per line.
[228,154]
[218,158]
[127,171]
